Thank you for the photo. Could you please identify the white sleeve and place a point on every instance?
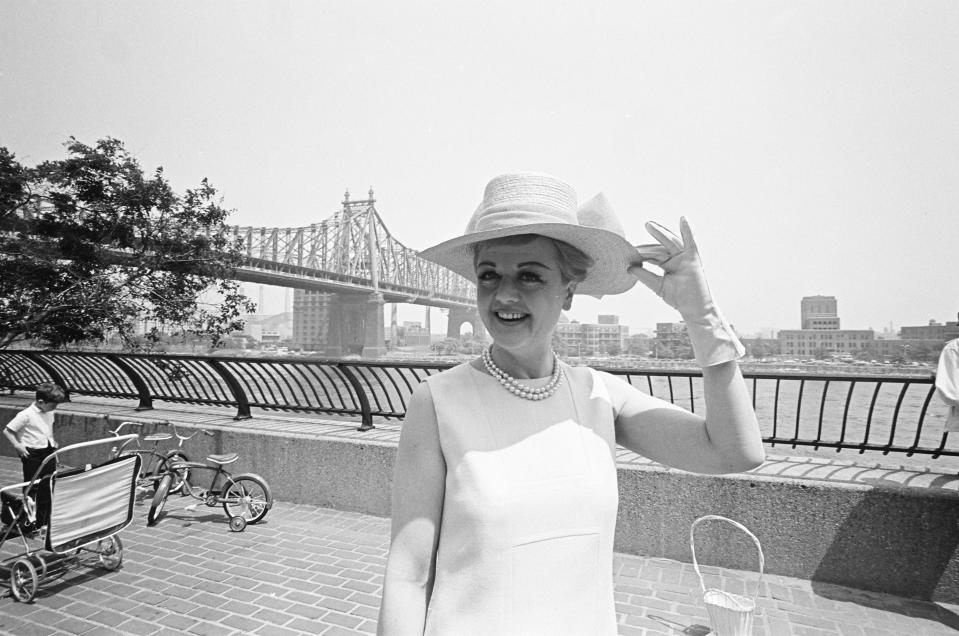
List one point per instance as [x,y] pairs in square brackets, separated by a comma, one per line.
[18,422]
[947,374]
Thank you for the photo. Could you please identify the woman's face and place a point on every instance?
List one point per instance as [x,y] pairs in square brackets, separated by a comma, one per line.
[520,292]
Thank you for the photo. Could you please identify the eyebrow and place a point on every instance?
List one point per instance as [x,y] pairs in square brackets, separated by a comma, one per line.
[523,264]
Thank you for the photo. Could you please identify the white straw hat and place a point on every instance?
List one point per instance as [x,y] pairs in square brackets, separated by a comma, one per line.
[536,203]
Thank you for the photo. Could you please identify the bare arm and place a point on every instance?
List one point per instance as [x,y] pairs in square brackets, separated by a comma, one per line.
[727,440]
[419,483]
[17,446]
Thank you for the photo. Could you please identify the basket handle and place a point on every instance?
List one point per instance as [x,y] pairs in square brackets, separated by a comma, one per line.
[692,546]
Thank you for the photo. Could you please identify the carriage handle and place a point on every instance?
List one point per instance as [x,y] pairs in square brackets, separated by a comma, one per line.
[94,442]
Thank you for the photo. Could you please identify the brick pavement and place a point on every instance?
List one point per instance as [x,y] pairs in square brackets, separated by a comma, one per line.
[311,570]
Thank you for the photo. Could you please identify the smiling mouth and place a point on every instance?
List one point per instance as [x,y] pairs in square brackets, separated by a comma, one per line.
[509,316]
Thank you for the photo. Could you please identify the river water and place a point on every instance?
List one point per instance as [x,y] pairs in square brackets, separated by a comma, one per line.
[853,412]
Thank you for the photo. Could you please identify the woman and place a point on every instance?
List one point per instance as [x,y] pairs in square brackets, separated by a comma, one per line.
[504,493]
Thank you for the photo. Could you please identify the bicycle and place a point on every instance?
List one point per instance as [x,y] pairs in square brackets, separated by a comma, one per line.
[246,498]
[155,463]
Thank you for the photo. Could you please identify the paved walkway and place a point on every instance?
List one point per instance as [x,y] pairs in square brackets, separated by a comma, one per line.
[311,570]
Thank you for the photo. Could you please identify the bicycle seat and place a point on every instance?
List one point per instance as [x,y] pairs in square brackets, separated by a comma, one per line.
[228,458]
[157,437]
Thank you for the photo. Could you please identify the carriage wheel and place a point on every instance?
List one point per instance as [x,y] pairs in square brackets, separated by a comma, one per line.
[110,552]
[23,580]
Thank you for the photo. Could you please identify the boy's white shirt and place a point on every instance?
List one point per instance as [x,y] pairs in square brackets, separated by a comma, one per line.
[33,427]
[947,382]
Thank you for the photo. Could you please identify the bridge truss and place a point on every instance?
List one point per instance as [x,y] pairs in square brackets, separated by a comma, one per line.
[351,250]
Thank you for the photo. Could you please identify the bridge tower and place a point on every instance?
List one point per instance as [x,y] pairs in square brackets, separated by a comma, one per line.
[356,320]
[459,316]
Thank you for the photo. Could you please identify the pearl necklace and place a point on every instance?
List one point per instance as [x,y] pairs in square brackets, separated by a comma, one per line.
[512,385]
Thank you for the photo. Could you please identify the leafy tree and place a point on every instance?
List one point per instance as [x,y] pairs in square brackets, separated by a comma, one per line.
[559,345]
[757,348]
[90,247]
[446,347]
[639,345]
[465,345]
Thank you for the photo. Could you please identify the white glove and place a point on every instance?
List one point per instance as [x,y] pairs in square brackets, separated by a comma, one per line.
[683,286]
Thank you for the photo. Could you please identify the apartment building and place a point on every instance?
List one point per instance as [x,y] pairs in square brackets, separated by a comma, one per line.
[606,336]
[311,318]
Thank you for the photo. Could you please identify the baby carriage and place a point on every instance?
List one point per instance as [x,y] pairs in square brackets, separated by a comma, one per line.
[86,509]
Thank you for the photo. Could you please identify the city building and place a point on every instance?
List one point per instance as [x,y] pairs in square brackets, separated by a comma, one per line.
[672,341]
[269,329]
[409,334]
[819,312]
[820,335]
[923,342]
[605,337]
[933,331]
[823,343]
[311,319]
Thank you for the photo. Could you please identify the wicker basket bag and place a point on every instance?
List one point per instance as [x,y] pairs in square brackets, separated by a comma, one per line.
[729,614]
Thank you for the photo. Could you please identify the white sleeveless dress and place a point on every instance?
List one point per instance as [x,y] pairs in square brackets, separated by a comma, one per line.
[529,513]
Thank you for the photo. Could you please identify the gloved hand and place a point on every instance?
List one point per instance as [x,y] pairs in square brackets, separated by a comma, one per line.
[683,286]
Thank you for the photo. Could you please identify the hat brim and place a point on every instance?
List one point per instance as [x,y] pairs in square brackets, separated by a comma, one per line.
[612,254]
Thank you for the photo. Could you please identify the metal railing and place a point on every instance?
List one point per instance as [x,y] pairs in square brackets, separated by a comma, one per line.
[889,413]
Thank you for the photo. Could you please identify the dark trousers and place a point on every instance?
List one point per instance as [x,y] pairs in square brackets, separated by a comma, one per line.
[41,490]
[33,460]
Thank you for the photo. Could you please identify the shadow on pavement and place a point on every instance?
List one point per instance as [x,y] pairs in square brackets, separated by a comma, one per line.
[689,630]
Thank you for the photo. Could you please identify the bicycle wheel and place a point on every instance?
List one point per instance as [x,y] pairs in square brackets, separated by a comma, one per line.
[182,474]
[146,483]
[247,496]
[159,499]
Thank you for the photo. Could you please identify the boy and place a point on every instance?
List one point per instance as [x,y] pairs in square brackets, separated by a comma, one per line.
[31,430]
[31,433]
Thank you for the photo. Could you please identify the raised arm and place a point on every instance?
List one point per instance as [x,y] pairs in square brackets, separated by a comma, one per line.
[728,439]
[419,484]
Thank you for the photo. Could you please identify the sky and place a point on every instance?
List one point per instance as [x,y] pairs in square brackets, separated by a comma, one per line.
[813,146]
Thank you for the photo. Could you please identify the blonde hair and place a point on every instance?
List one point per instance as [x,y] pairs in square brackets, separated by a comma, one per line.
[574,264]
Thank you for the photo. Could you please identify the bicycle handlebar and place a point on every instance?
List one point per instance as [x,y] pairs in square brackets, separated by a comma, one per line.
[176,431]
[122,424]
[184,438]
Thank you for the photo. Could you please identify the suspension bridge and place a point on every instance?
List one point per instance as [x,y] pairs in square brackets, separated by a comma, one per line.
[353,256]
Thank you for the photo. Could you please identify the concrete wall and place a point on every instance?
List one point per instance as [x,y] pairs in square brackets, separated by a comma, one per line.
[881,537]
[884,538]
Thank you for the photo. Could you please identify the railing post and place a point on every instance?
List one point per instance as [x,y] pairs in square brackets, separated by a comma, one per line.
[146,400]
[243,405]
[46,366]
[366,413]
